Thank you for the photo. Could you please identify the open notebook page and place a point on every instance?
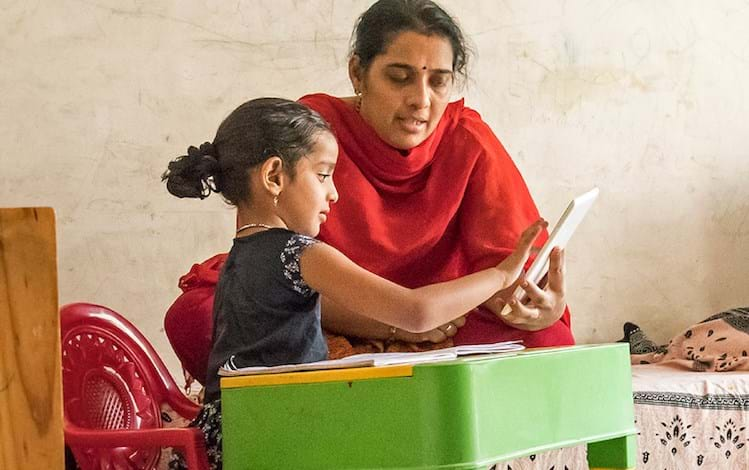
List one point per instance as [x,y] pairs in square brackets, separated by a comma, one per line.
[376,359]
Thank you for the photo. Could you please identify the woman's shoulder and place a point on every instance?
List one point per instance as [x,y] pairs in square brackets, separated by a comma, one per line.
[317,99]
[470,127]
[467,119]
[326,104]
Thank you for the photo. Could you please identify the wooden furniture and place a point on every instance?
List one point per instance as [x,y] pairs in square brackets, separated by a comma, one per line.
[31,434]
[464,414]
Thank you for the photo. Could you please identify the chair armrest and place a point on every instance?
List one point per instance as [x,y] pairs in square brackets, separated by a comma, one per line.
[181,404]
[189,439]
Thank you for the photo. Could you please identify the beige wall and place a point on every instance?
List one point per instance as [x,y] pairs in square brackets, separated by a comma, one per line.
[646,99]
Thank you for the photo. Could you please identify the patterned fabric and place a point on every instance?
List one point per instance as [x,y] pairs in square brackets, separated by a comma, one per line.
[208,421]
[719,343]
[639,343]
[569,458]
[678,439]
[290,259]
[737,318]
[688,420]
[169,419]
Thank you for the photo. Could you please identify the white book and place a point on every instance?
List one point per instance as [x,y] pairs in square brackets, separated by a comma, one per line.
[377,359]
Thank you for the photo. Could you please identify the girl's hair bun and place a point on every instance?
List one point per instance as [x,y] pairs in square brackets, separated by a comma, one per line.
[254,132]
[193,175]
[205,149]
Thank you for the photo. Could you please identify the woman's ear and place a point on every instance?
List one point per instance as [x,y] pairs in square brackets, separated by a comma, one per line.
[356,74]
[273,175]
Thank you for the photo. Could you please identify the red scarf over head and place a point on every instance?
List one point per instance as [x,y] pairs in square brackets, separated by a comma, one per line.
[453,205]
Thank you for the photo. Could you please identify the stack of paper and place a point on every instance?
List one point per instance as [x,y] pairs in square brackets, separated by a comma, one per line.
[377,359]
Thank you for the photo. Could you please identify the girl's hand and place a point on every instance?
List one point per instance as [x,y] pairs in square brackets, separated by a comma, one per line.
[545,305]
[512,266]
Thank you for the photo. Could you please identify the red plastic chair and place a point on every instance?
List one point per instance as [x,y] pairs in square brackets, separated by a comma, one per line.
[114,384]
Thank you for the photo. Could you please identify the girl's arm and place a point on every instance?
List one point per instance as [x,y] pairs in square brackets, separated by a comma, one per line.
[339,320]
[345,322]
[333,275]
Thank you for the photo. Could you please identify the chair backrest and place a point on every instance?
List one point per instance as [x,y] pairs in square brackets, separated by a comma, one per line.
[112,378]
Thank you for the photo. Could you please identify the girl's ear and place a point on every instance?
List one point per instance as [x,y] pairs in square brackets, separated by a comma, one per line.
[273,175]
[356,74]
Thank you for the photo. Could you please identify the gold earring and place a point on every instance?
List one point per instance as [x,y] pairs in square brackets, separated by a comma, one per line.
[358,100]
[275,200]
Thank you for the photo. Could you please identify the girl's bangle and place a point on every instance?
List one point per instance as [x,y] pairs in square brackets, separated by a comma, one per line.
[393,332]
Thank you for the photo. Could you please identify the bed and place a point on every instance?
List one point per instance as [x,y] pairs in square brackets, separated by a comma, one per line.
[691,419]
[685,420]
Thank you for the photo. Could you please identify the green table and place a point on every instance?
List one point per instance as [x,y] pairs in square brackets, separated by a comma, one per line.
[462,414]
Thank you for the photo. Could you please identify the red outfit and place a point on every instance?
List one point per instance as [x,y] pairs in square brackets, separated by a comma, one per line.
[453,205]
[189,321]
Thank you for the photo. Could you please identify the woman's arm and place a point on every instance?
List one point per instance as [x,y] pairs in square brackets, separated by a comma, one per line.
[336,277]
[488,227]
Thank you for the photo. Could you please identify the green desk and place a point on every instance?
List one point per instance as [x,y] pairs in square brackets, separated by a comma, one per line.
[462,414]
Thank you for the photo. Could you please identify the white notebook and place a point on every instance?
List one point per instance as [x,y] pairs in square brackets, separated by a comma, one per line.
[377,359]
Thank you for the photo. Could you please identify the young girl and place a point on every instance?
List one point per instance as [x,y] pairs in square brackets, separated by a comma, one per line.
[273,159]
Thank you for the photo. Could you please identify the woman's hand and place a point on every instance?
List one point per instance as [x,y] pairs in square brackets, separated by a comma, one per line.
[436,335]
[546,305]
[341,321]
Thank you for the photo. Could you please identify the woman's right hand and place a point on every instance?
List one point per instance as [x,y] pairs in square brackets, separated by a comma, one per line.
[437,335]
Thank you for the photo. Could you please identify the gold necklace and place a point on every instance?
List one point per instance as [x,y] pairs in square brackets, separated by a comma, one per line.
[245,227]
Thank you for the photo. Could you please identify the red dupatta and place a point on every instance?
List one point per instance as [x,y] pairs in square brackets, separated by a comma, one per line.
[449,207]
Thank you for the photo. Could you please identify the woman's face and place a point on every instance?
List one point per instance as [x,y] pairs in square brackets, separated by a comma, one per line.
[405,90]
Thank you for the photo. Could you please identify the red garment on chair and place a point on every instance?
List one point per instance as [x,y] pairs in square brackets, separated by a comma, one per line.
[189,321]
[453,205]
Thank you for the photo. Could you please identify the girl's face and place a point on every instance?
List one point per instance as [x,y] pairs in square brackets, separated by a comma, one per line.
[405,90]
[305,202]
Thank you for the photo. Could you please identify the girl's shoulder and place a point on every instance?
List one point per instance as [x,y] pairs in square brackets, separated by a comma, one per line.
[295,244]
[272,259]
[274,239]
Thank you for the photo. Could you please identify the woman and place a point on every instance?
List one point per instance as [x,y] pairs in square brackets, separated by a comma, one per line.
[428,193]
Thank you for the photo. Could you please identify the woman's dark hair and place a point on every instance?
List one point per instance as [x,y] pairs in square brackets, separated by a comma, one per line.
[379,25]
[252,133]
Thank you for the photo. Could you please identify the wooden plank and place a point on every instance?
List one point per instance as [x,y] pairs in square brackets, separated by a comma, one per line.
[31,429]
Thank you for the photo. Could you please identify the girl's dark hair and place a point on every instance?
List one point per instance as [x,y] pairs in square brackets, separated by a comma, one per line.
[379,25]
[252,133]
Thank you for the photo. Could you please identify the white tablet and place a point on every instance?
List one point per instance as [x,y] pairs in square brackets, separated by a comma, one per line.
[559,236]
